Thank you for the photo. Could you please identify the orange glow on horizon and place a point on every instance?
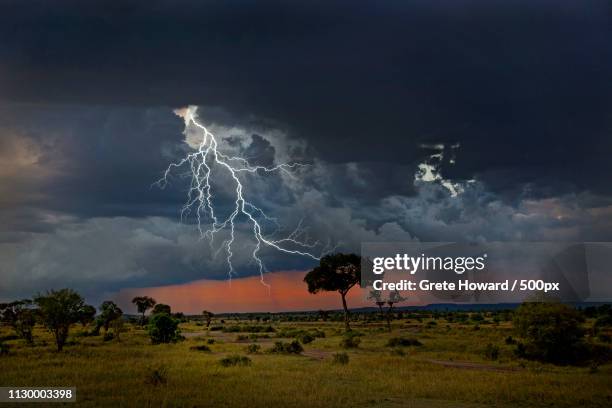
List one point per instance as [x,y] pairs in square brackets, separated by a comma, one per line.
[287,292]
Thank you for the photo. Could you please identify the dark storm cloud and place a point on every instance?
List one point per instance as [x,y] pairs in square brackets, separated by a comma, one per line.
[518,93]
[523,85]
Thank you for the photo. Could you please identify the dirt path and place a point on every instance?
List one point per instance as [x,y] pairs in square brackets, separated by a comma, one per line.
[317,354]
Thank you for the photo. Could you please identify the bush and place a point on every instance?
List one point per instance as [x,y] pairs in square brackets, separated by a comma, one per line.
[491,352]
[216,328]
[510,341]
[306,338]
[398,352]
[253,348]
[108,336]
[552,332]
[287,348]
[403,342]
[163,328]
[350,342]
[210,341]
[340,358]
[319,334]
[4,349]
[235,360]
[201,347]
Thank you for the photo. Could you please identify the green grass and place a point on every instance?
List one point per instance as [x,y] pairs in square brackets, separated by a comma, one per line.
[119,374]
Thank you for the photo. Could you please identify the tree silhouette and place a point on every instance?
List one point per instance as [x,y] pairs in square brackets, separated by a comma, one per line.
[208,316]
[21,316]
[143,303]
[161,308]
[336,272]
[109,311]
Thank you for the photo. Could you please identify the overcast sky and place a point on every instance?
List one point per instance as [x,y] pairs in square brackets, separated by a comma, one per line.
[432,120]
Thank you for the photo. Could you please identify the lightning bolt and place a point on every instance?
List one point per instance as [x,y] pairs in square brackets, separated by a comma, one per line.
[200,164]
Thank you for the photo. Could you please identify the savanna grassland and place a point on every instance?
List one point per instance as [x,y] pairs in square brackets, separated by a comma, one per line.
[441,364]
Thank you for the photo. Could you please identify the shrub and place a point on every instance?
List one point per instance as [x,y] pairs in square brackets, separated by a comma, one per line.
[161,308]
[340,358]
[491,352]
[398,352]
[287,348]
[235,360]
[306,338]
[108,336]
[253,348]
[4,349]
[350,342]
[403,342]
[210,341]
[201,347]
[242,337]
[163,328]
[320,334]
[510,341]
[551,332]
[216,328]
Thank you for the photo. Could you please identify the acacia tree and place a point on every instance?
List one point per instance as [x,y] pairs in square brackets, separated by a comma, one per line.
[336,272]
[376,296]
[109,311]
[208,316]
[143,303]
[20,316]
[393,298]
[58,310]
[87,315]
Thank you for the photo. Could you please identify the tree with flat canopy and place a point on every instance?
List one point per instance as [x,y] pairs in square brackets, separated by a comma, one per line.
[143,303]
[336,273]
[208,316]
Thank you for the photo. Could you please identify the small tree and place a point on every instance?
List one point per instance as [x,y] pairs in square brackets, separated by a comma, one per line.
[376,296]
[118,327]
[109,311]
[551,332]
[161,308]
[336,272]
[21,317]
[58,310]
[394,297]
[87,315]
[163,328]
[208,316]
[143,303]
